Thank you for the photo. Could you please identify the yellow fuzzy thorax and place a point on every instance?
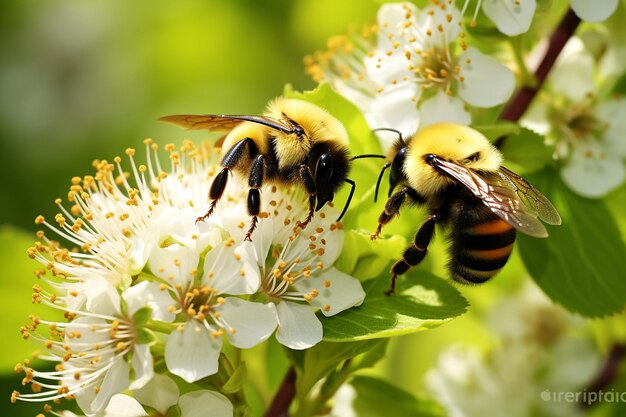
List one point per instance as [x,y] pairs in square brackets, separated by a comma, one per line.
[459,144]
[318,124]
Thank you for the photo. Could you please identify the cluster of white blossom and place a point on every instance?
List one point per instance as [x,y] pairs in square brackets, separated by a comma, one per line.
[144,282]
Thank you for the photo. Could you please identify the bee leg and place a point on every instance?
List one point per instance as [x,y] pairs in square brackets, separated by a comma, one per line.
[415,253]
[392,207]
[255,181]
[230,159]
[309,184]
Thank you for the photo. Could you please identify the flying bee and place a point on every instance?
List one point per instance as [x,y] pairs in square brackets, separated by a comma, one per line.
[458,175]
[293,142]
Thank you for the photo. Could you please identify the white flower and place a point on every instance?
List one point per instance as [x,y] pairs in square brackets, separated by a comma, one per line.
[93,349]
[511,17]
[586,129]
[296,266]
[540,348]
[594,11]
[161,393]
[419,71]
[197,281]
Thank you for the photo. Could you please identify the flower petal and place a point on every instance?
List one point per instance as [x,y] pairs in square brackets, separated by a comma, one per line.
[573,73]
[174,263]
[510,17]
[205,403]
[613,113]
[336,291]
[160,393]
[192,353]
[298,327]
[444,108]
[142,365]
[487,82]
[395,108]
[150,294]
[248,323]
[115,381]
[122,405]
[593,11]
[592,173]
[232,270]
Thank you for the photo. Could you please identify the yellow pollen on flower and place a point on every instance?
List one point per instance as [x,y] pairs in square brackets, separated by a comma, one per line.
[327,283]
[326,308]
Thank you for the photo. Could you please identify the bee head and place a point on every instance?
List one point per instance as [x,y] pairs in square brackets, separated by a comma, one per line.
[453,143]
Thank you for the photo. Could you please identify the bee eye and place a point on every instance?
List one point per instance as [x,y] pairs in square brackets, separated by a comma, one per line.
[472,158]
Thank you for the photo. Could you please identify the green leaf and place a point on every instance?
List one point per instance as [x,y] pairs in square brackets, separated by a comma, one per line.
[236,380]
[581,265]
[324,357]
[422,301]
[495,131]
[527,151]
[375,397]
[365,259]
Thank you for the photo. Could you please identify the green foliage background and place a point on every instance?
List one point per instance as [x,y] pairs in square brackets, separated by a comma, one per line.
[84,80]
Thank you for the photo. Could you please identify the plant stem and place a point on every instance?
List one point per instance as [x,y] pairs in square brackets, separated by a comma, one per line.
[608,372]
[524,96]
[284,396]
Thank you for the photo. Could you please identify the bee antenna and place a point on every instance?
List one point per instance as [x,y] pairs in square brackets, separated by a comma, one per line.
[345,207]
[389,129]
[380,177]
[368,155]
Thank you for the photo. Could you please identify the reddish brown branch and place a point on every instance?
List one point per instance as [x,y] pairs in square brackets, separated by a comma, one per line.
[524,96]
[284,396]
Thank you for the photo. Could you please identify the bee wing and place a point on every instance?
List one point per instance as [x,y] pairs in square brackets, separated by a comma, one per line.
[501,195]
[531,197]
[214,122]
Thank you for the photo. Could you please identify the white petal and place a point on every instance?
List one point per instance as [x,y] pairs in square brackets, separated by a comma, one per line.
[391,18]
[232,270]
[192,353]
[122,405]
[96,295]
[90,332]
[536,118]
[430,19]
[396,109]
[337,291]
[150,294]
[444,108]
[160,393]
[252,322]
[613,113]
[143,366]
[572,74]
[591,172]
[115,381]
[298,327]
[205,403]
[174,263]
[510,17]
[487,82]
[593,11]
[389,71]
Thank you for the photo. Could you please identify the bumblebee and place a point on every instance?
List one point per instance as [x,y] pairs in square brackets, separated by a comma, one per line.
[458,175]
[293,142]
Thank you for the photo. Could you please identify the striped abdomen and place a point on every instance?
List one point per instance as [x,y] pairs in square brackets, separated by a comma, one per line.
[480,247]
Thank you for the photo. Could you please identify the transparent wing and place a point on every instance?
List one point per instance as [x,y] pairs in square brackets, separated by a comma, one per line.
[531,197]
[505,197]
[215,122]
